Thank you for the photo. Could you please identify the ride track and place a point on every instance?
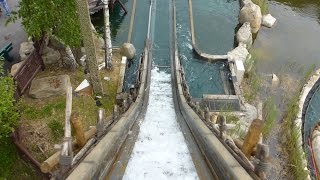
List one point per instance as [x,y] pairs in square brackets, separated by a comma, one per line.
[211,158]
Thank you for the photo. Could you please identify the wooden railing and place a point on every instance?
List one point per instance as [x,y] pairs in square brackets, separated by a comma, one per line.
[31,66]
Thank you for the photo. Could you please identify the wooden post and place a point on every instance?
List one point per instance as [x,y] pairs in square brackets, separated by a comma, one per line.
[53,160]
[66,155]
[263,156]
[206,114]
[100,122]
[77,125]
[115,112]
[252,137]
[222,126]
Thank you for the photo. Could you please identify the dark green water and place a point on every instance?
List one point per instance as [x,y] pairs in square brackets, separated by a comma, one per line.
[294,39]
[292,43]
[202,77]
[215,22]
[119,23]
[139,35]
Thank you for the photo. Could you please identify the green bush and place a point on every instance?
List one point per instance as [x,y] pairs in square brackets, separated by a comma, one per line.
[8,111]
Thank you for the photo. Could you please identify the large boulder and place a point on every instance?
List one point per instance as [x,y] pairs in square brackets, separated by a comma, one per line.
[15,68]
[239,53]
[50,56]
[49,86]
[251,13]
[244,34]
[268,20]
[26,48]
[128,50]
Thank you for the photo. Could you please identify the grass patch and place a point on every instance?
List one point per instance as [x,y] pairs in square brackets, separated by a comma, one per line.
[56,128]
[271,113]
[252,83]
[291,132]
[11,166]
[263,4]
[30,111]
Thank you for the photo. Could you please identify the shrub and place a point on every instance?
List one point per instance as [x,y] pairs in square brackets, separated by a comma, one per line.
[8,111]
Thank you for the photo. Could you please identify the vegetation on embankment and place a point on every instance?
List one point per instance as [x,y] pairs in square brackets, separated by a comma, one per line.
[11,166]
[291,132]
[270,115]
[252,81]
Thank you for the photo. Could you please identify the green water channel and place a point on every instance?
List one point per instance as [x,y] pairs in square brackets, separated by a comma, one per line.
[120,25]
[202,77]
[215,22]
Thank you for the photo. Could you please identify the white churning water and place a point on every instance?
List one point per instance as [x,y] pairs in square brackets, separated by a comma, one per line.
[160,151]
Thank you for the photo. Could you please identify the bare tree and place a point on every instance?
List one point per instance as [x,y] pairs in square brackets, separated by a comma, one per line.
[107,37]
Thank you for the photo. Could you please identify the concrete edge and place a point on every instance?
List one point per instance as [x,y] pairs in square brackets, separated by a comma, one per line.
[218,157]
[304,99]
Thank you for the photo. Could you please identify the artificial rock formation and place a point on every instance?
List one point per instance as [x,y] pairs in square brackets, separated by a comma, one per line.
[15,68]
[50,56]
[128,50]
[244,35]
[251,13]
[268,20]
[239,53]
[49,86]
[26,49]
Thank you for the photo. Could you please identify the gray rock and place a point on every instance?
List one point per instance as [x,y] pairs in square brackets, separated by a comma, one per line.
[244,34]
[268,20]
[50,56]
[239,53]
[128,50]
[15,68]
[49,86]
[56,43]
[244,2]
[275,80]
[26,49]
[251,13]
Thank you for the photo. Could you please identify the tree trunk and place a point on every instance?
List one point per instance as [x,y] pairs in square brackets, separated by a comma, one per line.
[88,41]
[73,62]
[107,37]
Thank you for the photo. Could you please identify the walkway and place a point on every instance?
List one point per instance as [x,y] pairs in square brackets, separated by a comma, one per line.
[12,33]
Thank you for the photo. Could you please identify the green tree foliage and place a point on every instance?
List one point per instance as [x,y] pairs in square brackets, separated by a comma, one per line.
[8,112]
[58,17]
